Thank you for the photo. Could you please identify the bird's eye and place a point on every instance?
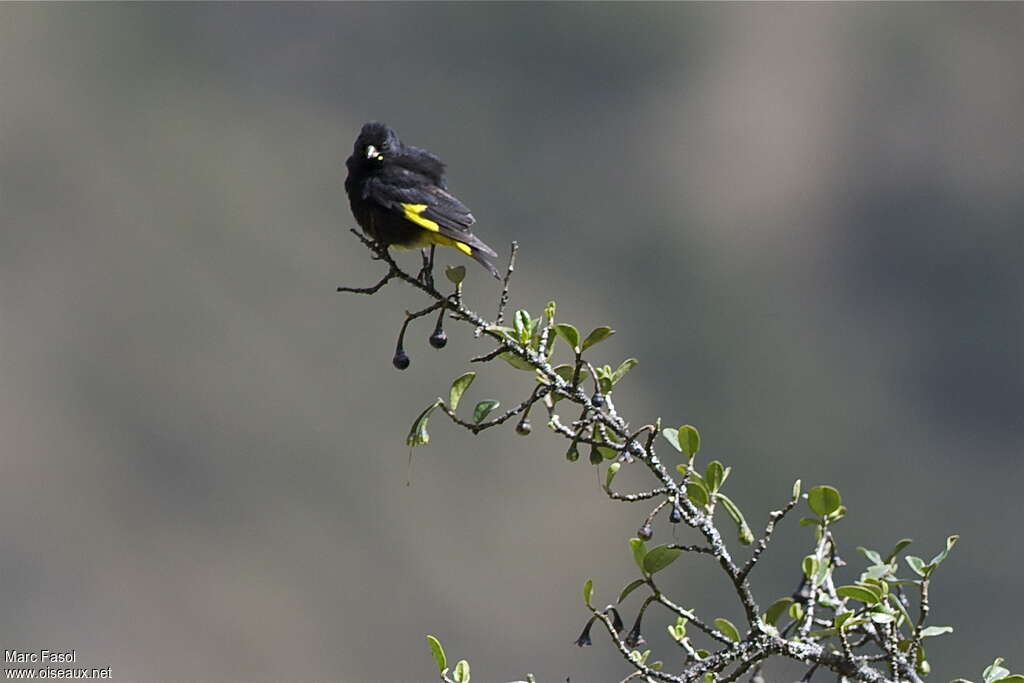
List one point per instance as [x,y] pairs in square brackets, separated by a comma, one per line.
[374,153]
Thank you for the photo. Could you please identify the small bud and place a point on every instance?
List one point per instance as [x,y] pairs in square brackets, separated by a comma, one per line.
[524,428]
[439,339]
[401,359]
[598,399]
[645,532]
[573,454]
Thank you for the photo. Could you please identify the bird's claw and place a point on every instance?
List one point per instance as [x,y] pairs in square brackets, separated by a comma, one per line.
[426,275]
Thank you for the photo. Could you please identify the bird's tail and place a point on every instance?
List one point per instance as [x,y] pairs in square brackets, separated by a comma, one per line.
[486,260]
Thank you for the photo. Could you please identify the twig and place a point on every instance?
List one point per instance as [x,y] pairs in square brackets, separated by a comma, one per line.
[504,290]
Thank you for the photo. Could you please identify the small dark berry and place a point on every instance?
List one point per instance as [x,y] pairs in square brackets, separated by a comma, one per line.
[595,456]
[401,360]
[645,532]
[598,399]
[439,339]
[573,454]
[524,428]
[676,515]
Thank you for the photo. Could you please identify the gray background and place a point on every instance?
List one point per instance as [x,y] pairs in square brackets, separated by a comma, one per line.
[804,220]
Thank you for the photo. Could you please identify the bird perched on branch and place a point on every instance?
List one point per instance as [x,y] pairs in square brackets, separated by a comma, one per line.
[399,197]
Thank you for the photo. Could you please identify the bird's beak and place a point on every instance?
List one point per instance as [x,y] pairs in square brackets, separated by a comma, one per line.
[371,152]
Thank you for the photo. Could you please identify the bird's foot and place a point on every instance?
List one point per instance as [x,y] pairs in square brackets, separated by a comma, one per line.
[426,275]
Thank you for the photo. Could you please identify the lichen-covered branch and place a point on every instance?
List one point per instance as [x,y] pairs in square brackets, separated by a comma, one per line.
[860,631]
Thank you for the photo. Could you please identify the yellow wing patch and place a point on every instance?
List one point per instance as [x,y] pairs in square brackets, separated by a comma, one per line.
[449,242]
[412,213]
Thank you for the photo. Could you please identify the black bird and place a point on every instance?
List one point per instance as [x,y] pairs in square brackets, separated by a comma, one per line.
[399,197]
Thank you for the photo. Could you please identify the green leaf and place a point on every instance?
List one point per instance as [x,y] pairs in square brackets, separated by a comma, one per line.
[438,652]
[515,361]
[772,614]
[523,325]
[630,587]
[900,545]
[796,611]
[607,453]
[932,631]
[940,558]
[881,615]
[599,334]
[613,469]
[626,366]
[565,372]
[996,671]
[483,409]
[570,334]
[604,378]
[461,672]
[639,549]
[698,493]
[859,593]
[810,566]
[727,629]
[893,600]
[876,571]
[588,591]
[823,500]
[715,475]
[841,619]
[455,274]
[872,555]
[535,336]
[917,564]
[731,508]
[824,569]
[418,435]
[689,440]
[1015,678]
[505,332]
[672,436]
[459,387]
[660,557]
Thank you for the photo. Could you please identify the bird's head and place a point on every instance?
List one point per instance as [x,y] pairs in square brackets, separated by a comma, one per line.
[376,142]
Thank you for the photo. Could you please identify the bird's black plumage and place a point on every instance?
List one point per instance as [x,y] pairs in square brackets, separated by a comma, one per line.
[399,197]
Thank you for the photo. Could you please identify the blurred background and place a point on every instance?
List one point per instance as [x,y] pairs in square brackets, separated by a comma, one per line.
[805,221]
